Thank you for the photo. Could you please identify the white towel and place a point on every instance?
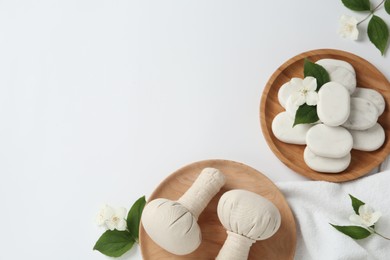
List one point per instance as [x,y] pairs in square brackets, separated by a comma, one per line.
[315,204]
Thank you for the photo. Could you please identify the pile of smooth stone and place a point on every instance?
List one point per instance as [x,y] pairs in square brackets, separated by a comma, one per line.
[348,118]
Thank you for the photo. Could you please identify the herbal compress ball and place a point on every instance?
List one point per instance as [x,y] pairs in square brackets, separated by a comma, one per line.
[173,224]
[247,217]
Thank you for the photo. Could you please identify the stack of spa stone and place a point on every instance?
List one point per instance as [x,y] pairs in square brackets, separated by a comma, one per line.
[348,118]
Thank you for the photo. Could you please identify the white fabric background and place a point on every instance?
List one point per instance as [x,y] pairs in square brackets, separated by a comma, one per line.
[100,100]
[316,204]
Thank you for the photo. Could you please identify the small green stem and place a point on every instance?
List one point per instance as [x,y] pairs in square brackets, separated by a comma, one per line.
[368,16]
[381,235]
[372,12]
[376,8]
[374,232]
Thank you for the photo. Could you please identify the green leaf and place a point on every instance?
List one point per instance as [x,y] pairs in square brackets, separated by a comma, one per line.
[357,5]
[134,217]
[306,115]
[378,33]
[355,232]
[356,203]
[316,71]
[114,243]
[387,6]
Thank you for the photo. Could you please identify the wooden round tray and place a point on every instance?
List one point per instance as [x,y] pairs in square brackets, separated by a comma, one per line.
[239,176]
[292,155]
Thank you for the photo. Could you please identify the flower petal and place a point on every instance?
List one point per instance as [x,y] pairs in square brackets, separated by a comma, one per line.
[310,83]
[120,213]
[368,223]
[311,98]
[296,83]
[298,99]
[365,209]
[354,35]
[106,212]
[110,224]
[346,19]
[348,27]
[121,226]
[375,216]
[356,219]
[100,220]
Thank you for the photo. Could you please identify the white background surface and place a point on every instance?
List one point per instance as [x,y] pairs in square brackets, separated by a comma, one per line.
[101,100]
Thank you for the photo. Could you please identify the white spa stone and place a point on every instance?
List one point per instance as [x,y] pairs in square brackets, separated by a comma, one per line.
[283,94]
[291,107]
[332,63]
[285,91]
[324,164]
[345,78]
[329,141]
[282,127]
[363,114]
[368,140]
[333,104]
[374,96]
[340,72]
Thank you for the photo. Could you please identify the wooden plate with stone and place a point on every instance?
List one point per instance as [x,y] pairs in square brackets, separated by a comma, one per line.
[281,246]
[368,76]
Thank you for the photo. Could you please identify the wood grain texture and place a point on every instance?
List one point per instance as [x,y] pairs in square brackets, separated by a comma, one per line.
[368,76]
[239,176]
